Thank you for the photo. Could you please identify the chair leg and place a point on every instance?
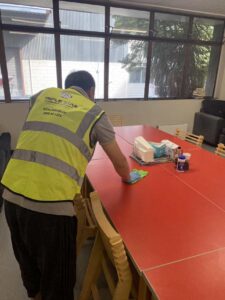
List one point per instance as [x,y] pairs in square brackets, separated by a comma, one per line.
[122,291]
[93,269]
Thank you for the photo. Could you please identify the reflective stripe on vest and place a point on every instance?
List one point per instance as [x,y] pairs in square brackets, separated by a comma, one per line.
[61,132]
[87,120]
[49,161]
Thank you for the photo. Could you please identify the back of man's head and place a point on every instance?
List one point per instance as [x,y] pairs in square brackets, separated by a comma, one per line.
[81,79]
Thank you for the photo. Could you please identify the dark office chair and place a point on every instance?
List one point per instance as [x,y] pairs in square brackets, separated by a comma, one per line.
[5,152]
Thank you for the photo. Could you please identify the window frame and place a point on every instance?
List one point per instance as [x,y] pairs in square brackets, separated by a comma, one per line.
[107,35]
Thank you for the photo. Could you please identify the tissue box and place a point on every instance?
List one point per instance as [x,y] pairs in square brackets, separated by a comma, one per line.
[143,150]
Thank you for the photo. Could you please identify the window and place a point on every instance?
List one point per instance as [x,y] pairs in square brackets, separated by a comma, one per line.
[137,75]
[27,13]
[166,73]
[201,71]
[207,29]
[170,26]
[81,16]
[84,53]
[129,21]
[30,61]
[131,53]
[125,58]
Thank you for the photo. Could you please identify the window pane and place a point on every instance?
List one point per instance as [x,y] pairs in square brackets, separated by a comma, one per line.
[30,62]
[207,29]
[166,70]
[27,13]
[202,70]
[129,21]
[82,16]
[84,53]
[170,26]
[127,58]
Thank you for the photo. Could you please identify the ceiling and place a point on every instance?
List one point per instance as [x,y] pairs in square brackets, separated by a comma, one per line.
[209,7]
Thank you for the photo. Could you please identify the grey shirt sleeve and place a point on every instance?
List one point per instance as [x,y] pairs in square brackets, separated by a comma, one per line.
[33,98]
[102,131]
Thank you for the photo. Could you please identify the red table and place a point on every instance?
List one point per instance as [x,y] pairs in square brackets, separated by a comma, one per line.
[200,277]
[129,133]
[206,176]
[170,222]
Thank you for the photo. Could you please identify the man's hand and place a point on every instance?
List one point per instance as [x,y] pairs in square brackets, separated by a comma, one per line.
[134,177]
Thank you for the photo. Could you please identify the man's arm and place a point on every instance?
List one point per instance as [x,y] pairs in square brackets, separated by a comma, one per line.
[118,160]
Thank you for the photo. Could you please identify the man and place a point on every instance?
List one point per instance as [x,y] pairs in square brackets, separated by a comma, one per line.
[44,175]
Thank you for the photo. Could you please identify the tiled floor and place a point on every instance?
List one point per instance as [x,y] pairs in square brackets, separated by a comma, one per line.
[11,287]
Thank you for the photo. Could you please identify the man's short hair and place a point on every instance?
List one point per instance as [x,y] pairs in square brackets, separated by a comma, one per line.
[82,79]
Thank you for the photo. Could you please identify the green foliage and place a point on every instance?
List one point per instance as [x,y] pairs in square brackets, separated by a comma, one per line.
[171,29]
[169,59]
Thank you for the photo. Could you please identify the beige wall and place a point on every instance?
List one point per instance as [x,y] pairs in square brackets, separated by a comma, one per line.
[154,113]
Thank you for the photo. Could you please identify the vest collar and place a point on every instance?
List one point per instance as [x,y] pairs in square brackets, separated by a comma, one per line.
[80,90]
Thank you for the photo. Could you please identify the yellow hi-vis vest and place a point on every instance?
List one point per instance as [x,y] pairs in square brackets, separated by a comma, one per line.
[54,147]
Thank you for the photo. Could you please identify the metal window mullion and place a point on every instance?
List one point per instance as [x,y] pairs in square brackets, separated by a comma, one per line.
[5,78]
[149,56]
[57,42]
[187,51]
[25,28]
[106,53]
[218,64]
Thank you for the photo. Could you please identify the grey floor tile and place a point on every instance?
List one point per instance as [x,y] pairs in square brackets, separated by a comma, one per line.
[11,285]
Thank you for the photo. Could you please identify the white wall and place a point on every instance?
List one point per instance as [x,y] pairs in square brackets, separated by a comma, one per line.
[12,116]
[156,112]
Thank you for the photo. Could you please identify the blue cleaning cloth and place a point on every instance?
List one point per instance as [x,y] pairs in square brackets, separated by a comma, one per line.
[136,175]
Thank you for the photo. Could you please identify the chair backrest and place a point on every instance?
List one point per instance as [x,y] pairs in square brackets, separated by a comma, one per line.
[108,256]
[220,150]
[86,227]
[116,120]
[190,137]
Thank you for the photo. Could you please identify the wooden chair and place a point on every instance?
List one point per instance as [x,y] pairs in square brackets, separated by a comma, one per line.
[116,120]
[109,257]
[220,150]
[85,225]
[190,137]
